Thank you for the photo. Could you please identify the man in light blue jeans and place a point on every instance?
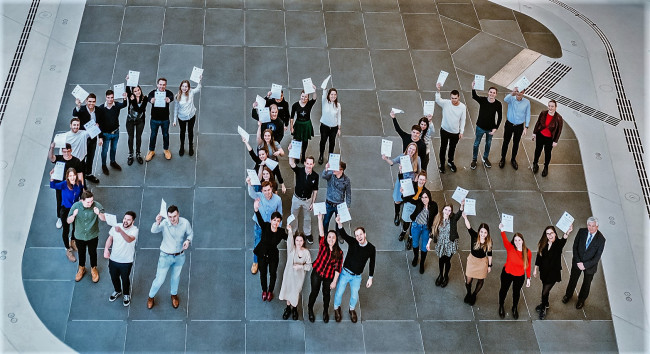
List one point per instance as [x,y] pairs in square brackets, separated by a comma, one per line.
[177,236]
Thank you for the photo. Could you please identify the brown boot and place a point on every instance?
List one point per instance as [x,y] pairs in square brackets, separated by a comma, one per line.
[175,301]
[80,273]
[150,156]
[95,274]
[70,255]
[150,303]
[73,245]
[337,314]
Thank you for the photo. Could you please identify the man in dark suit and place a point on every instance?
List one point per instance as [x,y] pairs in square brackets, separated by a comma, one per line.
[587,248]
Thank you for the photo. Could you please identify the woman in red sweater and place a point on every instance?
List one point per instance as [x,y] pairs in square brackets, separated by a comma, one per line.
[516,268]
[547,132]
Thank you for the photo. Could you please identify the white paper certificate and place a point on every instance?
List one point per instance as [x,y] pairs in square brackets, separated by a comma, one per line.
[386,147]
[92,128]
[405,162]
[308,86]
[59,140]
[459,194]
[470,206]
[160,97]
[118,91]
[522,83]
[196,74]
[276,91]
[320,208]
[264,114]
[111,219]
[396,110]
[296,149]
[428,107]
[565,222]
[407,210]
[261,102]
[163,209]
[134,78]
[407,187]
[479,82]
[272,164]
[79,93]
[442,77]
[343,211]
[255,181]
[243,133]
[324,84]
[59,170]
[334,161]
[507,221]
[290,219]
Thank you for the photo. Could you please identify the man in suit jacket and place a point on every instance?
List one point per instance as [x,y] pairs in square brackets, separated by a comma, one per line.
[587,248]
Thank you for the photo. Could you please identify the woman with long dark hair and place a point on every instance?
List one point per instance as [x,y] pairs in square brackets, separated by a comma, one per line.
[426,125]
[549,264]
[515,271]
[479,260]
[135,120]
[421,223]
[445,236]
[71,190]
[411,151]
[330,121]
[300,122]
[298,263]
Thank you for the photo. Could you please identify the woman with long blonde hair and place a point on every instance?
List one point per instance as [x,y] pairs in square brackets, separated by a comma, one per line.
[479,260]
[185,112]
[412,152]
[516,269]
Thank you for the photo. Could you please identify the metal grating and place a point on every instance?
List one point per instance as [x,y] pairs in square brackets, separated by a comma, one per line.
[582,108]
[636,148]
[18,57]
[549,78]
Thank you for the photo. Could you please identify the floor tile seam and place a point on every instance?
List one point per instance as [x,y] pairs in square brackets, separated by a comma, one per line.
[406,255]
[464,24]
[117,52]
[44,280]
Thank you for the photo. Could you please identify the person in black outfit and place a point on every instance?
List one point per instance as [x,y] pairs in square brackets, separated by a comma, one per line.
[159,119]
[549,264]
[70,162]
[488,107]
[275,125]
[135,121]
[300,121]
[86,114]
[479,261]
[109,123]
[414,137]
[267,250]
[260,159]
[283,109]
[426,210]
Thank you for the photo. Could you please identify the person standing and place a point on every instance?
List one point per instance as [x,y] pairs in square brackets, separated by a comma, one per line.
[300,121]
[275,125]
[588,247]
[159,119]
[330,121]
[177,236]
[547,132]
[86,114]
[120,256]
[516,269]
[549,264]
[70,191]
[516,126]
[411,151]
[479,260]
[359,252]
[326,270]
[70,162]
[135,120]
[266,250]
[298,264]
[283,112]
[269,204]
[445,236]
[339,190]
[414,137]
[422,218]
[260,160]
[305,193]
[407,220]
[426,125]
[451,128]
[185,112]
[109,123]
[78,140]
[488,108]
[85,214]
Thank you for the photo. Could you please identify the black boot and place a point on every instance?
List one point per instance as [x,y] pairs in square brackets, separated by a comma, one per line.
[312,317]
[287,313]
[397,218]
[294,313]
[400,238]
[191,149]
[439,280]
[422,259]
[468,287]
[515,313]
[409,243]
[416,253]
[502,311]
[181,151]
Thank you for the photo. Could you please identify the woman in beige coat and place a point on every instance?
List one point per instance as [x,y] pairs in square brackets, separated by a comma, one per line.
[298,264]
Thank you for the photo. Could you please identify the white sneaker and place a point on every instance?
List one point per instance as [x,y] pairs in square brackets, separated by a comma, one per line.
[127,300]
[114,296]
[59,224]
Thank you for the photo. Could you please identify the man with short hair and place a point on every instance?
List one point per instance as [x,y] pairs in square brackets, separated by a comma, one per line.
[283,108]
[86,214]
[159,119]
[275,125]
[359,252]
[518,118]
[269,203]
[488,107]
[120,260]
[78,139]
[451,128]
[588,247]
[305,193]
[414,137]
[176,238]
[109,124]
[339,190]
[86,114]
[70,162]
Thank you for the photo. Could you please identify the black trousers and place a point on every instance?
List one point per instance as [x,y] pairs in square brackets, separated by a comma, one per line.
[327,133]
[189,126]
[516,281]
[542,142]
[447,138]
[316,282]
[91,146]
[91,245]
[59,199]
[509,132]
[425,162]
[120,272]
[546,290]
[135,127]
[268,266]
[65,229]
[573,281]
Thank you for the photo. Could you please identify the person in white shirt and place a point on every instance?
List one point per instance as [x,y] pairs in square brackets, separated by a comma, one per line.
[77,139]
[185,112]
[120,256]
[330,121]
[451,127]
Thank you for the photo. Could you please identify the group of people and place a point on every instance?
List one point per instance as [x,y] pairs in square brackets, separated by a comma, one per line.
[422,221]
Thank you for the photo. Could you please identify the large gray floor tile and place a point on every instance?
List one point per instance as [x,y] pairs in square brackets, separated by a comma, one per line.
[384,63]
[133,32]
[280,336]
[51,301]
[466,58]
[227,229]
[186,3]
[264,4]
[576,203]
[224,26]
[93,63]
[506,29]
[236,4]
[589,336]
[507,178]
[228,72]
[309,62]
[529,211]
[391,277]
[183,198]
[184,176]
[361,78]
[562,178]
[403,337]
[211,166]
[492,342]
[48,263]
[427,65]
[42,232]
[319,338]
[108,18]
[359,113]
[468,342]
[264,28]
[138,57]
[490,11]
[211,336]
[358,169]
[379,6]
[261,71]
[424,31]
[183,26]
[305,5]
[108,336]
[418,6]
[145,336]
[224,114]
[146,2]
[176,62]
[352,35]
[408,101]
[90,300]
[306,29]
[463,13]
[341,5]
[385,30]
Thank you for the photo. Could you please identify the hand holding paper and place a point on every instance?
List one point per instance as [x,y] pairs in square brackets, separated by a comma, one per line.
[459,194]
[396,110]
[407,187]
[344,213]
[163,209]
[386,147]
[324,84]
[522,83]
[118,91]
[59,140]
[264,114]
[276,91]
[243,133]
[160,97]
[296,149]
[196,74]
[255,180]
[320,208]
[479,82]
[134,78]
[565,222]
[442,77]
[407,210]
[290,219]
[508,223]
[334,161]
[79,93]
[470,206]
[59,171]
[428,107]
[308,86]
[405,162]
[111,220]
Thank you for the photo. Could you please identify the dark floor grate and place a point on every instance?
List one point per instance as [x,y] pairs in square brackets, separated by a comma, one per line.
[582,108]
[636,148]
[549,78]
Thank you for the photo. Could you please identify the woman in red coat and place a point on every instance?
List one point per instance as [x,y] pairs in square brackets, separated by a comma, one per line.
[546,134]
[516,269]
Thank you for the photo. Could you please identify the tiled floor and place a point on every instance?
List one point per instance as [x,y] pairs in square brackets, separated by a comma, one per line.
[381,54]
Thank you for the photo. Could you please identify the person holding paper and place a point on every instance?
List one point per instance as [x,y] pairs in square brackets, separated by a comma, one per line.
[339,190]
[185,112]
[426,125]
[261,159]
[120,256]
[109,122]
[275,125]
[445,236]
[549,264]
[516,269]
[547,132]
[305,193]
[87,113]
[70,191]
[488,108]
[69,161]
[326,270]
[283,109]
[359,252]
[411,151]
[159,119]
[418,188]
[588,247]
[298,264]
[266,248]
[451,128]
[267,142]
[516,126]
[135,121]
[330,121]
[78,140]
[414,137]
[422,219]
[86,214]
[266,175]
[479,260]
[269,204]
[300,121]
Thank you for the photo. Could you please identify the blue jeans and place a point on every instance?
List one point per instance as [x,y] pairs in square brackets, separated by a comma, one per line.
[488,142]
[355,284]
[165,262]
[258,237]
[330,211]
[420,236]
[109,139]
[155,124]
